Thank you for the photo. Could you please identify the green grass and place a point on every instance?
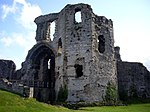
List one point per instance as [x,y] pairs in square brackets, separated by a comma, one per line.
[10,102]
[129,108]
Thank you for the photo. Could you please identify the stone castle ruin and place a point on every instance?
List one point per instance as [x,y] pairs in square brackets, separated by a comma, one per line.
[81,60]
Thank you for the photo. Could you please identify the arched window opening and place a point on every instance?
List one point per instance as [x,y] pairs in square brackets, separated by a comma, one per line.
[52,30]
[78,18]
[101,44]
[79,70]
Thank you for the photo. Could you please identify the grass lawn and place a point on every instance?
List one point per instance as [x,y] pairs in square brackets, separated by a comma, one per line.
[10,102]
[129,108]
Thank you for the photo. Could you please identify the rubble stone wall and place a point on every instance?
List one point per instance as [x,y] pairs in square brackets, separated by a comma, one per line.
[84,52]
[16,87]
[133,78]
[81,58]
[7,69]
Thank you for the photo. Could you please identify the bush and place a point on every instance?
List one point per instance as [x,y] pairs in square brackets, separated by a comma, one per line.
[111,97]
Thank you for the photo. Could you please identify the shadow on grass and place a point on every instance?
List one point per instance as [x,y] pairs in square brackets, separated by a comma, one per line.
[83,109]
[136,101]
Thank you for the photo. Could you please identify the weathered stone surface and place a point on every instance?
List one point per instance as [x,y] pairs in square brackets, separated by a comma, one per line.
[117,53]
[133,78]
[17,75]
[83,54]
[7,69]
[16,87]
[80,60]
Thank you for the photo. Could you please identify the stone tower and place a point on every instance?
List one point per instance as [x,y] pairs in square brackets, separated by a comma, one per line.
[80,57]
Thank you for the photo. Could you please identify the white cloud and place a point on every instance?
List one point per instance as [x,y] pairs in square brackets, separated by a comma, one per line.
[21,40]
[24,41]
[24,14]
[7,41]
[8,9]
[20,1]
[28,14]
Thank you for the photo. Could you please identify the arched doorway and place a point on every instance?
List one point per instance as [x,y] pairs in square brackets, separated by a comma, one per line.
[43,63]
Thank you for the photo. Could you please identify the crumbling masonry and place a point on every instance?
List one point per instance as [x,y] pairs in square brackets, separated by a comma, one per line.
[81,57]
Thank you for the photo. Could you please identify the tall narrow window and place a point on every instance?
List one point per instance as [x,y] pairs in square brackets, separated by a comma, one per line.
[49,63]
[79,70]
[78,16]
[52,30]
[101,44]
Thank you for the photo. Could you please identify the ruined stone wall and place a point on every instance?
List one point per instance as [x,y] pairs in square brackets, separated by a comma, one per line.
[80,53]
[10,79]
[83,51]
[59,44]
[7,69]
[16,87]
[103,65]
[117,53]
[133,78]
[80,59]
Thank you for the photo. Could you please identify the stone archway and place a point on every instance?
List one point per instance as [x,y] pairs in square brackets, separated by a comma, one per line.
[43,65]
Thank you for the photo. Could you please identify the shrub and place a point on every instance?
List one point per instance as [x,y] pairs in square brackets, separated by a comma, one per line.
[111,97]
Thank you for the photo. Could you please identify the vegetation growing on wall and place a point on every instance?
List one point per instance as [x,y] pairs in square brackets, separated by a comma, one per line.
[111,96]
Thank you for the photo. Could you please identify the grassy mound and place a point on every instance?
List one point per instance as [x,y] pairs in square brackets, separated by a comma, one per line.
[10,102]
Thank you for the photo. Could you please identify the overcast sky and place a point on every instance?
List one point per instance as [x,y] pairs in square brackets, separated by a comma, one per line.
[131,19]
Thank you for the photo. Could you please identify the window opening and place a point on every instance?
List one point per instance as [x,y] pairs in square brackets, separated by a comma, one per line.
[79,70]
[52,30]
[101,44]
[49,63]
[78,16]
